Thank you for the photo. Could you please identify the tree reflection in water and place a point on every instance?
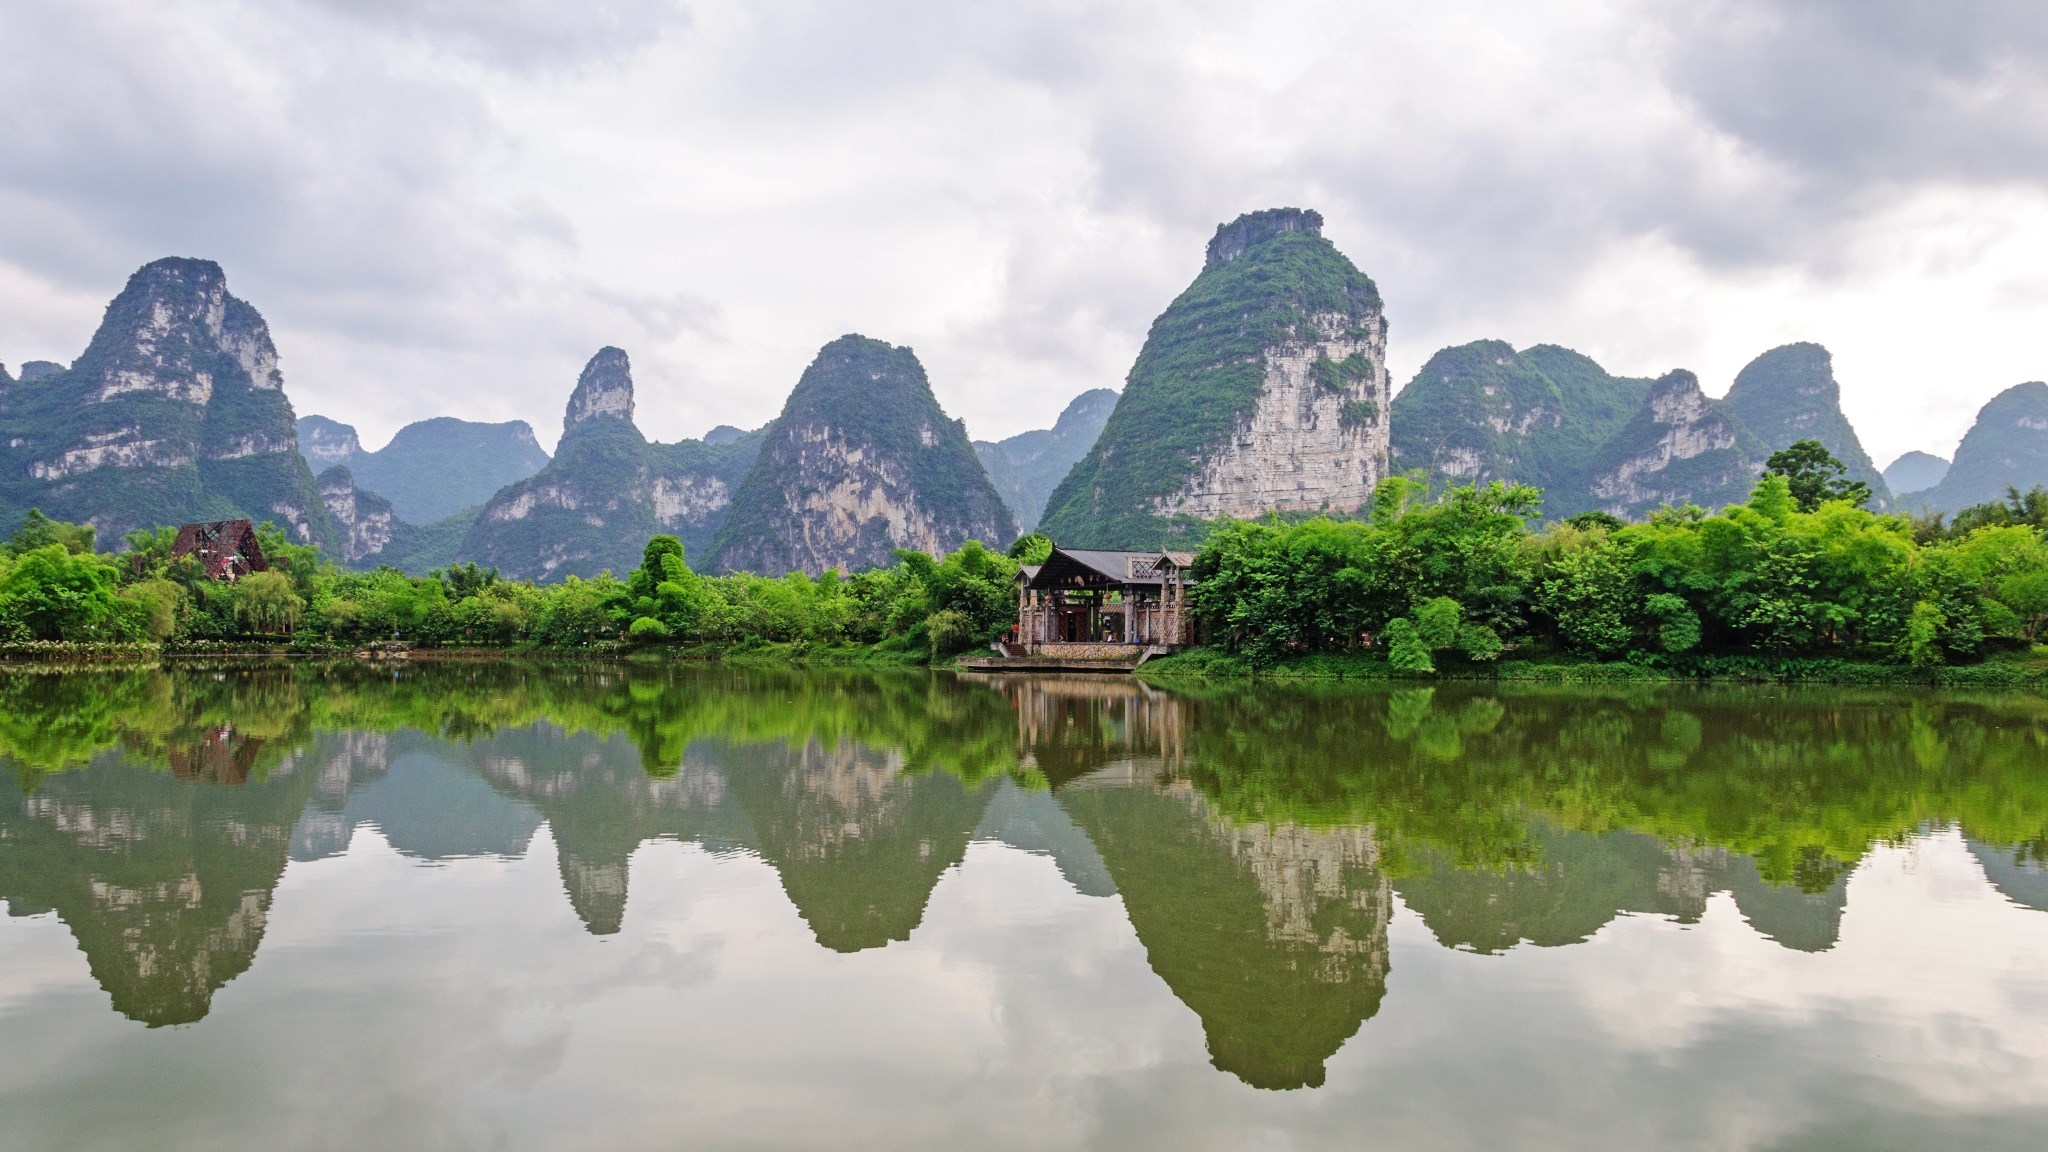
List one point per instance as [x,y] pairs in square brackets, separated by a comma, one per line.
[1258,837]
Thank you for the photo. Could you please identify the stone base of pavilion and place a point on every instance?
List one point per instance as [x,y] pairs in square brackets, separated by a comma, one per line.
[1050,657]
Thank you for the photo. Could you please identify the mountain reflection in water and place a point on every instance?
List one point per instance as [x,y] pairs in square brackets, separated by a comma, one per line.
[1261,841]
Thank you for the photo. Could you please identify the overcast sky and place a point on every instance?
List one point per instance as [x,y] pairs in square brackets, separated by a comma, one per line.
[444,206]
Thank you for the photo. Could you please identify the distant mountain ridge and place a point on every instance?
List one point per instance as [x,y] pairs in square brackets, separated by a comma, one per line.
[431,469]
[1914,472]
[1554,418]
[1027,467]
[608,489]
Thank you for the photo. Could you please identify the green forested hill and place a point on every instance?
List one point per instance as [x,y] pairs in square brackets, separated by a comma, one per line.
[862,461]
[175,412]
[1483,411]
[431,469]
[1026,467]
[1271,283]
[1790,394]
[2006,447]
[607,489]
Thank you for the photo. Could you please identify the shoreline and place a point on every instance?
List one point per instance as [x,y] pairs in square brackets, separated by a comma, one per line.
[1194,667]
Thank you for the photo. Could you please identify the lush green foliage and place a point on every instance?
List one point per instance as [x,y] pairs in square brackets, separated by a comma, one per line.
[1814,476]
[1464,572]
[54,588]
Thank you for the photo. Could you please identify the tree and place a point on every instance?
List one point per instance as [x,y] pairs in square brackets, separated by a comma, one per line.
[1815,476]
[1032,548]
[39,531]
[266,603]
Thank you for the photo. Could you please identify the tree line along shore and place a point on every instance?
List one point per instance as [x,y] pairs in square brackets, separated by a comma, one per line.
[1801,581]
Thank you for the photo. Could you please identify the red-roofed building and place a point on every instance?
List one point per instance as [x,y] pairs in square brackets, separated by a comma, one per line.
[227,549]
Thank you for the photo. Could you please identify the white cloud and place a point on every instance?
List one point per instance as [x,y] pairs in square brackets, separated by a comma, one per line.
[443,208]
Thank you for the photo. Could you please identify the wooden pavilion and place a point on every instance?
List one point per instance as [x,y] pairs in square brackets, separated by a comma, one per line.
[1085,596]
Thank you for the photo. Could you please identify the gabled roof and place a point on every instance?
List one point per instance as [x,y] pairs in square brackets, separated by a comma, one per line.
[227,549]
[1067,566]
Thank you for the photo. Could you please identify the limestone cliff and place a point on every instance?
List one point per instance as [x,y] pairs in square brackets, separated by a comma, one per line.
[607,489]
[364,519]
[861,462]
[1790,394]
[2006,447]
[176,411]
[1679,448]
[1261,388]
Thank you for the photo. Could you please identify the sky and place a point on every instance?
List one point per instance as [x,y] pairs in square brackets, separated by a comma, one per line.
[443,207]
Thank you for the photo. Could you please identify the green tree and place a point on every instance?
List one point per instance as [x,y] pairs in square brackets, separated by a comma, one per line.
[265,602]
[1815,476]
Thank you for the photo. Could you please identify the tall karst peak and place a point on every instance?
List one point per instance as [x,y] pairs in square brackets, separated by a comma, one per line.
[594,505]
[604,389]
[1262,387]
[861,462]
[1235,238]
[1789,394]
[175,411]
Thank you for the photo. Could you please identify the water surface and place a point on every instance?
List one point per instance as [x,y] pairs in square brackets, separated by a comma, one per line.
[582,905]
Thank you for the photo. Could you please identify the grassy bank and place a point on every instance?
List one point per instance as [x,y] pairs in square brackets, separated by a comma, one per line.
[2027,669]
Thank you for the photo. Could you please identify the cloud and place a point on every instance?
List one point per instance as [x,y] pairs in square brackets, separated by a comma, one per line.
[444,207]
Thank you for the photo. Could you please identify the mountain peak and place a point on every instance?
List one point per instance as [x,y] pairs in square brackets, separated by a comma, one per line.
[604,389]
[1232,239]
[1790,394]
[862,461]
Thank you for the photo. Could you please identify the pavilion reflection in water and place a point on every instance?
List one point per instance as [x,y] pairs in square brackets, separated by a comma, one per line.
[1230,829]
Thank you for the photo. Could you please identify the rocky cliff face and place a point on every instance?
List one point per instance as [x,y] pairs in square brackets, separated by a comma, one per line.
[2006,447]
[1026,467]
[432,469]
[325,443]
[175,412]
[1790,394]
[1262,387]
[861,462]
[1679,448]
[607,489]
[364,519]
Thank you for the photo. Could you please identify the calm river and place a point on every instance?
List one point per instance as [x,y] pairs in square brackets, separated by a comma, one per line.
[590,906]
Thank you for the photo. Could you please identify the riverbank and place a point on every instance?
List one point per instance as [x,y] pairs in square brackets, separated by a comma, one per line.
[2006,670]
